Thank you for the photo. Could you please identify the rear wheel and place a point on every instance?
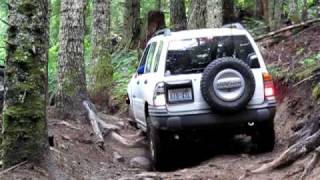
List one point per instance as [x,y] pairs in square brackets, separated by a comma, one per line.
[157,147]
[264,138]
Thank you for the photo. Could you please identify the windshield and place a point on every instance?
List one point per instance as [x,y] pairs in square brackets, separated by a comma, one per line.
[194,55]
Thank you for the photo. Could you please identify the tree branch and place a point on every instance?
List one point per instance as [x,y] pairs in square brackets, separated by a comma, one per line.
[5,22]
[288,28]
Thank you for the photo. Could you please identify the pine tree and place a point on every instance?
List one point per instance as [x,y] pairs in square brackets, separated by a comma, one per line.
[132,23]
[214,13]
[71,85]
[24,118]
[178,16]
[101,60]
[197,14]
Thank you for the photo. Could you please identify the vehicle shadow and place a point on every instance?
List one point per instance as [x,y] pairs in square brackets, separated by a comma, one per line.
[190,153]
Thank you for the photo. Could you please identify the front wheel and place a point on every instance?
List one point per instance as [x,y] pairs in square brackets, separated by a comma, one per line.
[157,147]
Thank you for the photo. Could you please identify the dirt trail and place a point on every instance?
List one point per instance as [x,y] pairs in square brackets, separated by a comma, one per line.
[76,156]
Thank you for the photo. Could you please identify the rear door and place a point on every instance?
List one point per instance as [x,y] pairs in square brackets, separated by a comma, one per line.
[187,58]
[142,83]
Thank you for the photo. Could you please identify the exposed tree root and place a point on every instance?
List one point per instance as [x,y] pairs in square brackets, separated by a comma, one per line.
[307,139]
[64,123]
[113,130]
[12,168]
[311,165]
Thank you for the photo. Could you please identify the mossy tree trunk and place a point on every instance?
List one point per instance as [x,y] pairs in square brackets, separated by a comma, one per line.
[71,87]
[197,14]
[178,16]
[101,61]
[24,116]
[132,22]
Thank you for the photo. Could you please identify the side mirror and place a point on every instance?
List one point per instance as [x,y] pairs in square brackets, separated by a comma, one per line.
[253,61]
[140,70]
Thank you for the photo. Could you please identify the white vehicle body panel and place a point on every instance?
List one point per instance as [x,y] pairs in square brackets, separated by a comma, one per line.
[141,94]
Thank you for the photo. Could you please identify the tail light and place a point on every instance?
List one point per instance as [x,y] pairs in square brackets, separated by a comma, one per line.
[269,92]
[159,98]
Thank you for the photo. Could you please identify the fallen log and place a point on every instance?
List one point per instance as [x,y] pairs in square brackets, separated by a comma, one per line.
[134,140]
[288,28]
[92,116]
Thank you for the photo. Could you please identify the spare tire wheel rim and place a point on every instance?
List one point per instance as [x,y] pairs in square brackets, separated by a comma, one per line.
[229,85]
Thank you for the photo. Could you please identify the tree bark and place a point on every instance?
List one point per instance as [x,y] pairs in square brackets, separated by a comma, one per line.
[197,14]
[158,5]
[178,16]
[132,24]
[214,13]
[265,8]
[101,61]
[71,86]
[24,117]
[228,11]
[275,12]
[258,9]
[293,11]
[304,13]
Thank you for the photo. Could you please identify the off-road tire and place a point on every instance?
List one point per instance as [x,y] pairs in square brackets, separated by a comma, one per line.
[207,90]
[157,141]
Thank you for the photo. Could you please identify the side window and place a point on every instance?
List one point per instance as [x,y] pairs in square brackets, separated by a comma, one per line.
[143,60]
[150,57]
[157,59]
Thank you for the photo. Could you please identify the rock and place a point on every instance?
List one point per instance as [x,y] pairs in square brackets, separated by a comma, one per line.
[140,162]
[148,176]
[117,157]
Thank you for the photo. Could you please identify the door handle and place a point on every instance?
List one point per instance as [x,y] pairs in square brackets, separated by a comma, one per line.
[138,82]
[134,96]
[145,81]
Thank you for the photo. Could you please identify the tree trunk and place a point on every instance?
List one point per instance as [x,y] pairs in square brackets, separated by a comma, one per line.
[101,61]
[178,16]
[155,22]
[197,14]
[132,22]
[258,9]
[228,11]
[293,12]
[265,9]
[214,13]
[71,86]
[304,13]
[158,5]
[275,12]
[24,116]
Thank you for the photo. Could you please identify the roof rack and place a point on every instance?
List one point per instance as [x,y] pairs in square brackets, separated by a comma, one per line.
[234,26]
[165,32]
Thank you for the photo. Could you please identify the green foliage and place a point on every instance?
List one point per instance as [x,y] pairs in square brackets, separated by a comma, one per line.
[124,64]
[3,30]
[304,69]
[316,92]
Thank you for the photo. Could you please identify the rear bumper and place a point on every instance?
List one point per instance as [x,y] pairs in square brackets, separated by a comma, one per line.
[211,120]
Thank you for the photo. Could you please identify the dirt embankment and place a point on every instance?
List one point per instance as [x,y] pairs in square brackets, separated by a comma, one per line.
[75,156]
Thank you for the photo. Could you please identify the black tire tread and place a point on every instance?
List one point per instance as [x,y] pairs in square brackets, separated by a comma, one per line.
[205,86]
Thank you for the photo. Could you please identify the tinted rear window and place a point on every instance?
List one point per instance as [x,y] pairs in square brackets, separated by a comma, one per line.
[194,55]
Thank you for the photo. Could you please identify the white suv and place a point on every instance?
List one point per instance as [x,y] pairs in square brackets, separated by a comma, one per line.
[204,79]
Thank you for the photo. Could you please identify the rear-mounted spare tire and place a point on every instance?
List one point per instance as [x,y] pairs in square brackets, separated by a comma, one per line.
[227,85]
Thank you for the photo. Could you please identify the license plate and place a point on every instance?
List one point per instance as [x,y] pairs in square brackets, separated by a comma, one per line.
[181,94]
